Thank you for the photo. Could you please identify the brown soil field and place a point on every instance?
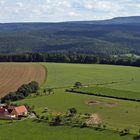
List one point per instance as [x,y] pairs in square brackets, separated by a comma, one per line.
[13,75]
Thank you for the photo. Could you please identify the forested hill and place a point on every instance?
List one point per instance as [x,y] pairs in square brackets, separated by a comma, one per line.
[115,36]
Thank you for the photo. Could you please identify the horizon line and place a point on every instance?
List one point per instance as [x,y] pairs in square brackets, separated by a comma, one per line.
[56,22]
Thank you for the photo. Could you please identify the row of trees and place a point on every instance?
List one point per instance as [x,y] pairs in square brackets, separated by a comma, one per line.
[74,119]
[70,58]
[22,92]
[70,118]
[73,90]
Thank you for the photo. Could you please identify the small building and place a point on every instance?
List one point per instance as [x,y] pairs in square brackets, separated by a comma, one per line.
[12,112]
[19,111]
[3,113]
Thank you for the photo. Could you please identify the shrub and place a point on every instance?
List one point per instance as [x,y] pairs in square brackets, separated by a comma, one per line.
[71,111]
[78,85]
[56,121]
[136,137]
[22,92]
[42,117]
[83,125]
[124,132]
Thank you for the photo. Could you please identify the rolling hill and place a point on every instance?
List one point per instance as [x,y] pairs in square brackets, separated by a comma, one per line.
[115,36]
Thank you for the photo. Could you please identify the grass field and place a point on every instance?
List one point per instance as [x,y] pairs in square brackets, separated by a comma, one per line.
[110,92]
[27,130]
[13,75]
[123,78]
[124,114]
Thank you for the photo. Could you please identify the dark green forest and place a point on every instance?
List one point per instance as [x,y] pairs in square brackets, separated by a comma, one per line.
[101,37]
[72,58]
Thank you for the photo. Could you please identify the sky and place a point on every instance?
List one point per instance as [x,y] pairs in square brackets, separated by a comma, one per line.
[65,10]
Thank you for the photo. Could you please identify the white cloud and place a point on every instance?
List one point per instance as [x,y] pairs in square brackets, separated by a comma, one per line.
[102,5]
[19,4]
[74,14]
[2,2]
[63,10]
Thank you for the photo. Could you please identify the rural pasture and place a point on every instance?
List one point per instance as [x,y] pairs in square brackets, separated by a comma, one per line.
[27,130]
[115,114]
[13,75]
[116,77]
[112,93]
[123,115]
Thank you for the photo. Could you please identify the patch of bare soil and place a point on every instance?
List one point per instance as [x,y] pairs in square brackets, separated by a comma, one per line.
[95,102]
[111,104]
[92,102]
[93,120]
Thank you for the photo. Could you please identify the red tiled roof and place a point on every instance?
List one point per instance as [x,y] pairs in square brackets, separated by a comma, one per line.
[20,109]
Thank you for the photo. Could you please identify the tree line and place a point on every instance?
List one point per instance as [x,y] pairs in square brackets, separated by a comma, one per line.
[22,92]
[70,58]
[101,95]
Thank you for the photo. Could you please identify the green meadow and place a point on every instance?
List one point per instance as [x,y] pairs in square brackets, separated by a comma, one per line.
[27,130]
[124,115]
[116,114]
[103,91]
[116,77]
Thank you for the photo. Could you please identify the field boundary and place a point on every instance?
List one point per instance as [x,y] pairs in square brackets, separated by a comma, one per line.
[89,84]
[46,73]
[99,95]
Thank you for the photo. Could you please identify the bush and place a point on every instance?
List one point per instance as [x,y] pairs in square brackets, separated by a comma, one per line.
[42,117]
[78,85]
[83,125]
[71,111]
[124,132]
[22,92]
[78,122]
[136,137]
[56,121]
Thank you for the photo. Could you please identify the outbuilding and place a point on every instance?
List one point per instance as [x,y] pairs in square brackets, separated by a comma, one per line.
[19,111]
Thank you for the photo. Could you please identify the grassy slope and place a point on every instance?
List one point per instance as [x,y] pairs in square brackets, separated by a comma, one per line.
[60,75]
[27,130]
[110,92]
[125,115]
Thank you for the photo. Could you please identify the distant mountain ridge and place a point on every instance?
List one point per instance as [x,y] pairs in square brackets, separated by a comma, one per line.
[116,20]
[115,36]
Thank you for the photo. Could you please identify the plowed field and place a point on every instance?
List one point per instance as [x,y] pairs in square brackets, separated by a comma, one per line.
[13,75]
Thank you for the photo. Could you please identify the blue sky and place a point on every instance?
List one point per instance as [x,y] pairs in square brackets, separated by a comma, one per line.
[65,10]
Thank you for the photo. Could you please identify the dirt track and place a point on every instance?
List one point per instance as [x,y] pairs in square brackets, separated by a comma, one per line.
[13,75]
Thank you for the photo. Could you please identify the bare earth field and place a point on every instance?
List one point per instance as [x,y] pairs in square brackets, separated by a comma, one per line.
[13,75]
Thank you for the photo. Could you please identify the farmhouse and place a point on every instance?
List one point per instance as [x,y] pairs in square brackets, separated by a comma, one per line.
[12,112]
[19,111]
